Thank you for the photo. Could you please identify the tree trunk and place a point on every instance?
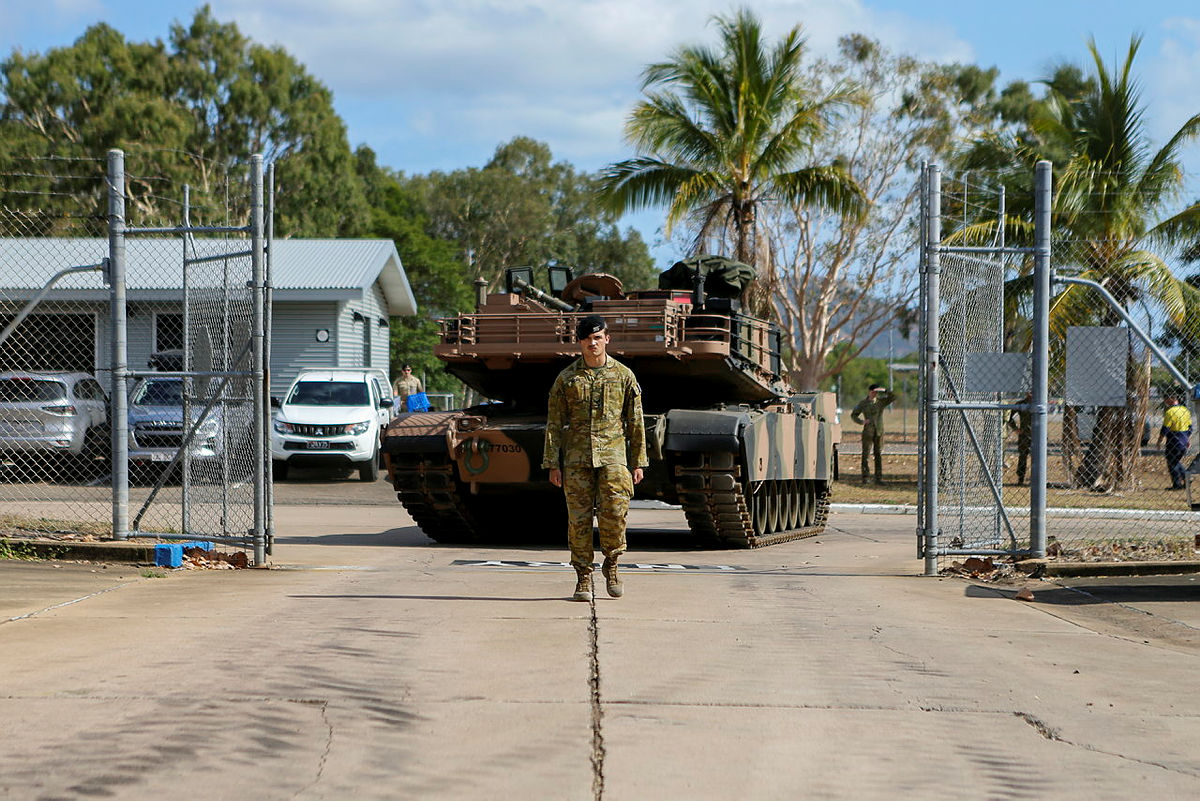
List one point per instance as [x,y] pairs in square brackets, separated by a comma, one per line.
[1111,458]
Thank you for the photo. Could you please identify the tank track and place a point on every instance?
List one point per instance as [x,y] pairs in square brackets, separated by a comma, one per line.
[717,507]
[429,492]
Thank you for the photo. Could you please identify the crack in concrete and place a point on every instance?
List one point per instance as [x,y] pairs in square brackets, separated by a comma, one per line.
[28,615]
[597,709]
[325,753]
[1042,728]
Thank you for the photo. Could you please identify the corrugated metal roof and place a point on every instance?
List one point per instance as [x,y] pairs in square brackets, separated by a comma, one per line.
[156,264]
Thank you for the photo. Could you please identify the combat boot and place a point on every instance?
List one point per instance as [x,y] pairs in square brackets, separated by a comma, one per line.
[583,587]
[612,579]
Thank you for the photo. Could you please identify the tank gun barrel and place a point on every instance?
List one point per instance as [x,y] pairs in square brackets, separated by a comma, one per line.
[525,288]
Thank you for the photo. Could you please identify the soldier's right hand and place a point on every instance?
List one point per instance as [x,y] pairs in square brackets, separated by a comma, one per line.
[556,477]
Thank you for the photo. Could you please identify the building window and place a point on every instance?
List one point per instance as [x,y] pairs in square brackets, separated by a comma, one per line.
[366,360]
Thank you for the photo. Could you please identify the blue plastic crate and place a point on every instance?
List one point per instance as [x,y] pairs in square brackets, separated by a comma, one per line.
[168,555]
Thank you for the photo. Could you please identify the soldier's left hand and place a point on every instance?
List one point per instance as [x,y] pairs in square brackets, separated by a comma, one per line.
[637,475]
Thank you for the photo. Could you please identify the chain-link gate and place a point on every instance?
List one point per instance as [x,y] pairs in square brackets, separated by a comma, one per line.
[205,419]
[1043,392]
[132,393]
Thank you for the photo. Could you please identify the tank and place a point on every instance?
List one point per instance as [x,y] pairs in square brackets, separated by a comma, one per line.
[749,460]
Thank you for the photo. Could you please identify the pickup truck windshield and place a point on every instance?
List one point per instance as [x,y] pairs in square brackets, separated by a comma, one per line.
[329,393]
[159,392]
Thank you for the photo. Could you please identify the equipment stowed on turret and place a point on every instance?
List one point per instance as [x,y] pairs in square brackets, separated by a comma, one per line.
[749,460]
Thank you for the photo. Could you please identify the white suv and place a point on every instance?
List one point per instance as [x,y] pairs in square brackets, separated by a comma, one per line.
[332,417]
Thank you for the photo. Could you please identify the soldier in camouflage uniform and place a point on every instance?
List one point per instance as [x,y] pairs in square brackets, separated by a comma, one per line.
[595,450]
[869,414]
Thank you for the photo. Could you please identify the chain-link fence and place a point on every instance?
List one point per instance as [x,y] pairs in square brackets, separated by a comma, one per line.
[1116,353]
[185,398]
[54,309]
[1109,482]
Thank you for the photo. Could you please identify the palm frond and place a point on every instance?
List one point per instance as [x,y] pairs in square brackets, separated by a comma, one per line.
[829,187]
[642,182]
[1181,227]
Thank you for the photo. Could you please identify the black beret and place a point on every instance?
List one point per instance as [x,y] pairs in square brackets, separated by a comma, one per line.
[589,325]
[874,387]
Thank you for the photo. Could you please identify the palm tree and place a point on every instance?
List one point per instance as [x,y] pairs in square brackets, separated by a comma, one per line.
[1111,221]
[721,132]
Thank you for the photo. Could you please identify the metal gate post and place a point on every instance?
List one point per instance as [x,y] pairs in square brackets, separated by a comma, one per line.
[922,227]
[257,333]
[267,300]
[933,237]
[118,414]
[1041,360]
[185,484]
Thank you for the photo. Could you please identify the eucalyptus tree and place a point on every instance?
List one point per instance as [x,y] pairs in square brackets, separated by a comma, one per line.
[722,132]
[842,280]
[525,208]
[192,110]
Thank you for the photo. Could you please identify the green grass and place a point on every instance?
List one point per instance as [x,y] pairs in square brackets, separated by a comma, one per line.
[22,551]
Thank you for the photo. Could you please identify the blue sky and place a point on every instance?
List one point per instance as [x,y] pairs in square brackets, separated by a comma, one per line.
[437,84]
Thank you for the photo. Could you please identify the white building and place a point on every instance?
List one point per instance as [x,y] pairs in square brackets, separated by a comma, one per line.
[333,300]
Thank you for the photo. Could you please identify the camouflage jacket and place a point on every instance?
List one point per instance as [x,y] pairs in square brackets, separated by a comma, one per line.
[869,413]
[594,418]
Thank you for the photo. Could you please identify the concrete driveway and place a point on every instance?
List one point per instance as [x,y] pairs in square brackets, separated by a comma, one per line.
[373,663]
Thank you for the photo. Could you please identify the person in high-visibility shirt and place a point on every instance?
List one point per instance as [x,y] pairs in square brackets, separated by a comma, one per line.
[1176,431]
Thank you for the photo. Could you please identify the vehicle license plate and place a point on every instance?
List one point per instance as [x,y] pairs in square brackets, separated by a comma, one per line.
[318,445]
[161,457]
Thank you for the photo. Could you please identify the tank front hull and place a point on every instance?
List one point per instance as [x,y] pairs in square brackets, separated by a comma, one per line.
[744,477]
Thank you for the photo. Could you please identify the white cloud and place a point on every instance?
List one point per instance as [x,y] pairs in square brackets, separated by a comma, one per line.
[467,73]
[1173,90]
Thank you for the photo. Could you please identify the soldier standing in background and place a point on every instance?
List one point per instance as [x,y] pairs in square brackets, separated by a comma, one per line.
[595,450]
[1021,421]
[869,414]
[407,384]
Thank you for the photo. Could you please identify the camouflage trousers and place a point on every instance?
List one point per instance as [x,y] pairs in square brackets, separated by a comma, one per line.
[872,442]
[603,492]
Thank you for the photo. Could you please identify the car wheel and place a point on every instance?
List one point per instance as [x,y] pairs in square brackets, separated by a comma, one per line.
[369,470]
[279,470]
[96,457]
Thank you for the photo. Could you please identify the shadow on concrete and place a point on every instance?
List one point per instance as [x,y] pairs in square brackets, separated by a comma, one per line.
[1161,590]
[427,598]
[411,536]
[396,537]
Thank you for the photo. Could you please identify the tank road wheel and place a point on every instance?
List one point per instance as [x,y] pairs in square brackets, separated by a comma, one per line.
[800,495]
[774,506]
[810,502]
[790,504]
[758,509]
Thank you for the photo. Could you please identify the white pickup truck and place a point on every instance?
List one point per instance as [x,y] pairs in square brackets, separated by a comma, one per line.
[332,417]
